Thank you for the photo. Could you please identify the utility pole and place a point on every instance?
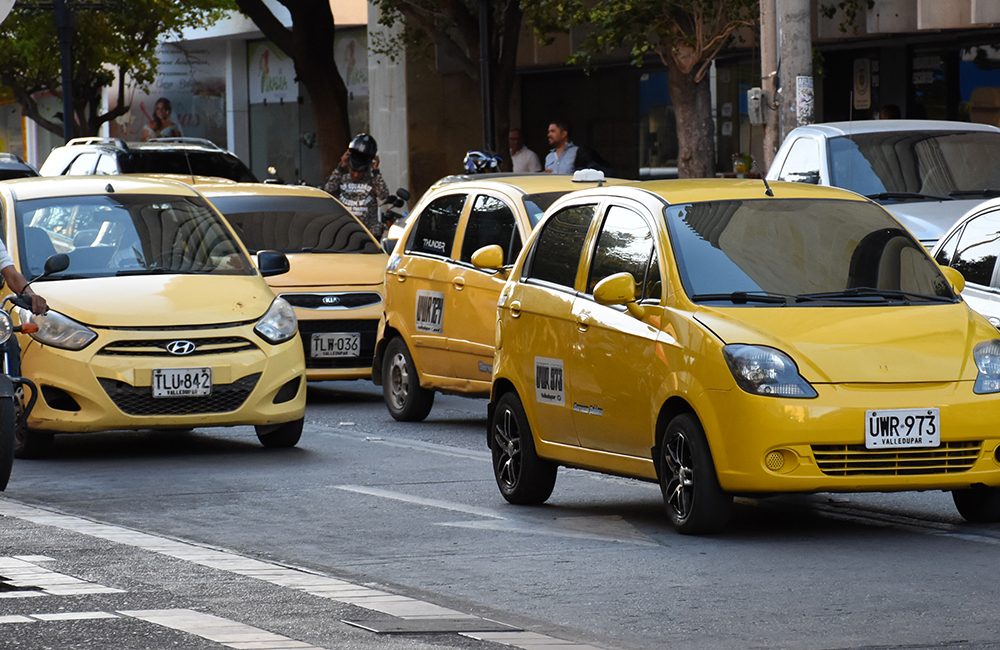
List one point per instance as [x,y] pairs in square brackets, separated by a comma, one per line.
[486,74]
[795,51]
[769,79]
[64,29]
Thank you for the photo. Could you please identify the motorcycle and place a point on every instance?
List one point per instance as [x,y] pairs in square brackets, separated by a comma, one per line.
[13,410]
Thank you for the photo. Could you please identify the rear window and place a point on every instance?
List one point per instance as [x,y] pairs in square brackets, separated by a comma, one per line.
[197,163]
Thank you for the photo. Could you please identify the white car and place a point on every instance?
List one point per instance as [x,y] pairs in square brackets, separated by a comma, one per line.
[927,173]
[972,246]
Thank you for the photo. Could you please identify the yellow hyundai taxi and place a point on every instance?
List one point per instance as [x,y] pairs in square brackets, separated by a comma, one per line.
[440,307]
[161,320]
[337,270]
[722,342]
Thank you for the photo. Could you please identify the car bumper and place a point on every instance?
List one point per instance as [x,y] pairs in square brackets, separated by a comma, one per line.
[108,385]
[768,445]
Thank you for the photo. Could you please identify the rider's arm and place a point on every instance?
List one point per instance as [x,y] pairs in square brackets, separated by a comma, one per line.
[19,284]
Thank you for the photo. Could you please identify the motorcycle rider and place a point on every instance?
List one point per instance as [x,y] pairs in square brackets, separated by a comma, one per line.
[358,183]
[18,283]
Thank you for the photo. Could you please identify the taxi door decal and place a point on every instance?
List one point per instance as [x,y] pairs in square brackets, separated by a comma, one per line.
[549,387]
[430,312]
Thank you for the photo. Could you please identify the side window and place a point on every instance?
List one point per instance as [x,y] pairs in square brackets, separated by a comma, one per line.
[946,252]
[976,253]
[491,221]
[802,163]
[435,231]
[83,165]
[625,244]
[557,251]
[107,164]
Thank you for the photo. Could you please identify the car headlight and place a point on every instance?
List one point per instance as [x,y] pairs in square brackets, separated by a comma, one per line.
[761,370]
[987,358]
[58,330]
[278,324]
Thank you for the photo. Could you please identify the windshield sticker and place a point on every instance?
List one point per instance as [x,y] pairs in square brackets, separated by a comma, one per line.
[430,312]
[435,245]
[549,381]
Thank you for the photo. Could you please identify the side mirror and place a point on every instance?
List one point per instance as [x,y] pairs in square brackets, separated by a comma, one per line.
[56,264]
[403,194]
[488,258]
[619,289]
[954,277]
[272,263]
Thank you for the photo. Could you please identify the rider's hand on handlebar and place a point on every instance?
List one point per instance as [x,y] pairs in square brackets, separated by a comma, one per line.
[38,304]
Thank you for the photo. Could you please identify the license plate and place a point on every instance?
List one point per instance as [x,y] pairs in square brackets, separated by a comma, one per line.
[182,382]
[336,345]
[901,428]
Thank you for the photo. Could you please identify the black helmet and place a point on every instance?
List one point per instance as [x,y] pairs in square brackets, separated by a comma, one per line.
[362,151]
[480,162]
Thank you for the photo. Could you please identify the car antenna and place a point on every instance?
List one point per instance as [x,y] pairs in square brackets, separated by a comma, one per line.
[767,188]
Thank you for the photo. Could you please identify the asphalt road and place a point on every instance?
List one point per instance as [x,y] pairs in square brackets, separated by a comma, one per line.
[412,510]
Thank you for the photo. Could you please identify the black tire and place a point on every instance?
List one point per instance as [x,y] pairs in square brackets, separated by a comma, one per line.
[523,477]
[8,422]
[979,504]
[280,435]
[695,503]
[406,400]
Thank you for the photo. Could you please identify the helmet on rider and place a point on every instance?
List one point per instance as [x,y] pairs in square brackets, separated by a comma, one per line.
[480,162]
[362,151]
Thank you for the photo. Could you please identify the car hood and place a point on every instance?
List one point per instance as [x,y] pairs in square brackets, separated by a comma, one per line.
[331,270]
[862,344]
[929,220]
[158,300]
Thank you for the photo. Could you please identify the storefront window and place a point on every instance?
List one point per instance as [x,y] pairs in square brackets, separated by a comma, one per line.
[657,128]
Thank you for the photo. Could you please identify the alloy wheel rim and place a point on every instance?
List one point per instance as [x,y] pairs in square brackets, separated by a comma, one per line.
[399,386]
[507,441]
[679,490]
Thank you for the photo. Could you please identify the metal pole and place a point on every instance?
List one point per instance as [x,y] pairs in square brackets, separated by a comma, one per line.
[795,47]
[65,32]
[486,74]
[769,79]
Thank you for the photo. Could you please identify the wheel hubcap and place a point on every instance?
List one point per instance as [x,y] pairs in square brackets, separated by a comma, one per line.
[507,443]
[679,488]
[399,381]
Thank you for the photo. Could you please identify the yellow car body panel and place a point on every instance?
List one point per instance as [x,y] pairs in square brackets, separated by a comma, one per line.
[342,277]
[621,377]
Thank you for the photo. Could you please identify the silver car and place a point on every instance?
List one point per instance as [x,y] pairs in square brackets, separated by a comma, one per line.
[927,173]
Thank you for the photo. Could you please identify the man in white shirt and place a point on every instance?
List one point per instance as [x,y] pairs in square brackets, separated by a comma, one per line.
[522,158]
[562,158]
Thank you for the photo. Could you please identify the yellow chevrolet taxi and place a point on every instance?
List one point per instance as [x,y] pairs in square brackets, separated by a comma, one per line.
[161,320]
[440,307]
[337,270]
[724,342]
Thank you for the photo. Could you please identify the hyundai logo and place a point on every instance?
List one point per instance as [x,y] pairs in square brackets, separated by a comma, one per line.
[331,300]
[181,347]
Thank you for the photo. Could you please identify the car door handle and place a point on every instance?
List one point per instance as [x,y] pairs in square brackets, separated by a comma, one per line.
[401,275]
[459,283]
[515,308]
[582,326]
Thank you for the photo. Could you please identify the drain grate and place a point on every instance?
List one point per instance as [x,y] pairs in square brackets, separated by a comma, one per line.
[431,625]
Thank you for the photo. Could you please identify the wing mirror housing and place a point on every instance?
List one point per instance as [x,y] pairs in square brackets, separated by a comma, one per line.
[619,289]
[56,264]
[488,258]
[272,263]
[954,277]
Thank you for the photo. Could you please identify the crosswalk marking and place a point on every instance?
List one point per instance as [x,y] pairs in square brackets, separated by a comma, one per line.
[218,629]
[34,580]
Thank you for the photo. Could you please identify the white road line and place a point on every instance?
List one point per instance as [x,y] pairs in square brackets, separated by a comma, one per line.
[422,501]
[218,629]
[73,616]
[24,574]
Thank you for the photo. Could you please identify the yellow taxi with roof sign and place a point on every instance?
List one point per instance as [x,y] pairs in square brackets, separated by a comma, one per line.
[722,341]
[440,301]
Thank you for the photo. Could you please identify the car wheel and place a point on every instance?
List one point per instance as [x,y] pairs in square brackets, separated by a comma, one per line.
[32,444]
[406,400]
[979,504]
[8,423]
[695,502]
[280,435]
[523,477]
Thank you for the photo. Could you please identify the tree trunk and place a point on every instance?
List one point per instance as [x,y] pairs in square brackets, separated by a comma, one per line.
[505,70]
[695,127]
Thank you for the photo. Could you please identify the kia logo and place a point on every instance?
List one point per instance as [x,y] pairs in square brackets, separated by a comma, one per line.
[181,347]
[331,300]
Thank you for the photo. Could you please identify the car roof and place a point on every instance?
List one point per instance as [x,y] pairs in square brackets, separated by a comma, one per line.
[838,129]
[722,189]
[260,189]
[41,187]
[531,183]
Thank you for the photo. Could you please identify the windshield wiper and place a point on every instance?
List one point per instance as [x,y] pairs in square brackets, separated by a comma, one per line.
[871,292]
[742,297]
[907,196]
[157,270]
[987,193]
[61,276]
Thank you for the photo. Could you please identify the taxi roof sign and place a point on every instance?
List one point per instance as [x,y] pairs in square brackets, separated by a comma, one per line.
[588,176]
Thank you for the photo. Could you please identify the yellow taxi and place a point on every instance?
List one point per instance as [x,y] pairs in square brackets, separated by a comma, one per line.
[440,307]
[722,341]
[337,270]
[161,319]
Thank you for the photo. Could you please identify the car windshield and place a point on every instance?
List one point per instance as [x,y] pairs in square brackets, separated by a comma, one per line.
[296,224]
[535,205]
[799,252]
[936,163]
[180,161]
[127,234]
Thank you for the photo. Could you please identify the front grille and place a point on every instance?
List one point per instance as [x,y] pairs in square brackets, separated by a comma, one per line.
[139,400]
[346,300]
[856,460]
[158,347]
[368,329]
